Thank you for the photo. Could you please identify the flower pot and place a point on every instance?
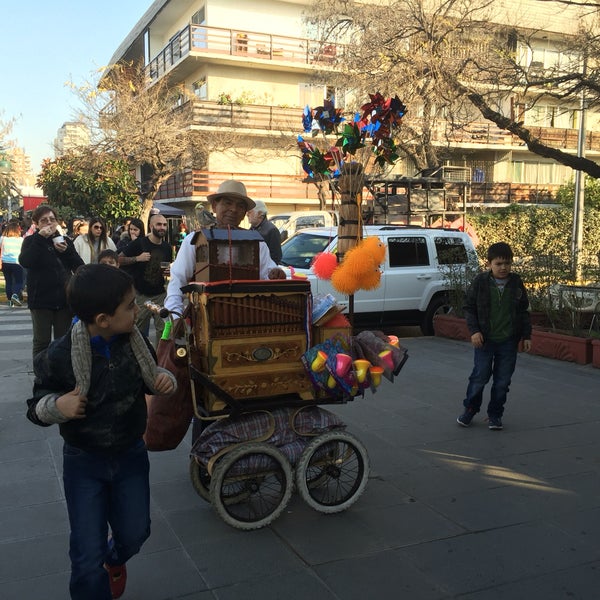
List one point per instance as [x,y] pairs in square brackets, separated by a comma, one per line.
[452,327]
[561,346]
[596,353]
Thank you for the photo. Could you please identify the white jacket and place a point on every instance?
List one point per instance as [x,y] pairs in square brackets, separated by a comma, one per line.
[84,250]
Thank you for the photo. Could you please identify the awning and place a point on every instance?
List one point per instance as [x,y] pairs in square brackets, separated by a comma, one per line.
[167,211]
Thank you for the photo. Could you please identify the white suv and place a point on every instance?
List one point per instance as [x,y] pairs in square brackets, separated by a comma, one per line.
[413,284]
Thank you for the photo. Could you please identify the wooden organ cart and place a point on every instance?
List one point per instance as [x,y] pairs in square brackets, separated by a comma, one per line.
[247,345]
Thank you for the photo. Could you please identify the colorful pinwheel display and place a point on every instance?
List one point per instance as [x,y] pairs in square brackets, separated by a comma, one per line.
[369,142]
[373,126]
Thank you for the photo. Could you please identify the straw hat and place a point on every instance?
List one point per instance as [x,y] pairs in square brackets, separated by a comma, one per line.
[232,189]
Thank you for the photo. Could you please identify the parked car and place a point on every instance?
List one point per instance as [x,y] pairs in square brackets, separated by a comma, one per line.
[413,287]
[289,223]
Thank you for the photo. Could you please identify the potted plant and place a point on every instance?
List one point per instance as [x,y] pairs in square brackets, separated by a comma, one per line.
[565,335]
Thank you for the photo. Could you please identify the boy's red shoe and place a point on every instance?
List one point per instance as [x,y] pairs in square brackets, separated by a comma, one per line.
[117,578]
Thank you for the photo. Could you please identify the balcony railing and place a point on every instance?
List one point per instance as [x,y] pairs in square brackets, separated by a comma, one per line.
[201,39]
[274,118]
[196,184]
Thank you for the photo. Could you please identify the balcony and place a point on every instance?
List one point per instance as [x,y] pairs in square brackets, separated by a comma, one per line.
[214,42]
[483,134]
[193,184]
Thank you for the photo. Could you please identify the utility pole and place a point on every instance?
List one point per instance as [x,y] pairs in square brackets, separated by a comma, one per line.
[579,199]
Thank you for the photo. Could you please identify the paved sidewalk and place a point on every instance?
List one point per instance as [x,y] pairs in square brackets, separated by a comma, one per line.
[448,512]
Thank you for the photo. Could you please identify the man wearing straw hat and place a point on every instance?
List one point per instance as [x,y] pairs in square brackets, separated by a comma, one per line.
[229,204]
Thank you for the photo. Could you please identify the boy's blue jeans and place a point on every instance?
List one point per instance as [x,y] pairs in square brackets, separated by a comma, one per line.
[497,359]
[103,490]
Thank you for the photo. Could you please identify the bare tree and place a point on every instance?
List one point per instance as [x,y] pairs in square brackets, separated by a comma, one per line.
[147,123]
[452,62]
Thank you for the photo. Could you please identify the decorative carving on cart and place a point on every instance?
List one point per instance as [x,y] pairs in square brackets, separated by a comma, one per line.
[264,385]
[262,354]
[244,356]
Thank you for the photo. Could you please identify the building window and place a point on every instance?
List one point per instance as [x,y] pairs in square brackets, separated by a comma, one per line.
[200,89]
[313,95]
[199,17]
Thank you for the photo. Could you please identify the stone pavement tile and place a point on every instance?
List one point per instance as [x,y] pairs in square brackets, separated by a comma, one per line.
[27,469]
[30,492]
[318,538]
[162,536]
[556,461]
[23,450]
[293,585]
[575,583]
[382,575]
[583,524]
[521,499]
[163,576]
[360,530]
[17,428]
[406,524]
[243,556]
[454,475]
[492,558]
[170,465]
[174,495]
[385,454]
[48,587]
[381,493]
[198,523]
[32,558]
[31,521]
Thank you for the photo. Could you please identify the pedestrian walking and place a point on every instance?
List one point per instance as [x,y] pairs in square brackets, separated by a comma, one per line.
[90,244]
[10,248]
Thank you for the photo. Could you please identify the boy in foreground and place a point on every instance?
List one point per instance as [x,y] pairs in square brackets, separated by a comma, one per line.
[496,311]
[92,382]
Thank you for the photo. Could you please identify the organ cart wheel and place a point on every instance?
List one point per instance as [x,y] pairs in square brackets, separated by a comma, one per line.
[332,471]
[251,485]
[200,478]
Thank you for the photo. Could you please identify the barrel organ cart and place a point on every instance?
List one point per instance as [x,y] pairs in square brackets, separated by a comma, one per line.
[260,370]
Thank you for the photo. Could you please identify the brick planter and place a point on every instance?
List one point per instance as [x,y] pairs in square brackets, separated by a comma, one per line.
[452,327]
[561,346]
[596,353]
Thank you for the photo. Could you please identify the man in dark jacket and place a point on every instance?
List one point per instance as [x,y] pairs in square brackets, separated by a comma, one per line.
[50,259]
[259,222]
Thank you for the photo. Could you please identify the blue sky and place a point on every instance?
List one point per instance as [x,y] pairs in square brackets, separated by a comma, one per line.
[46,43]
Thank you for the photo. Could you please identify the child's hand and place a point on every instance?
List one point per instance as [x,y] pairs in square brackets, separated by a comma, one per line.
[526,345]
[163,385]
[72,404]
[477,339]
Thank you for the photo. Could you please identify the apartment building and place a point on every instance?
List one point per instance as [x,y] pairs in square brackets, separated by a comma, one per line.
[250,66]
[71,136]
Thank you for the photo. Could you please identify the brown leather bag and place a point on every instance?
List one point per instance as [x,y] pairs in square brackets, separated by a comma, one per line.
[169,416]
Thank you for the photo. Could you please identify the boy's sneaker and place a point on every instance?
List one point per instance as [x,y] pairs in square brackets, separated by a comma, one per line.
[494,423]
[465,419]
[16,301]
[117,578]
